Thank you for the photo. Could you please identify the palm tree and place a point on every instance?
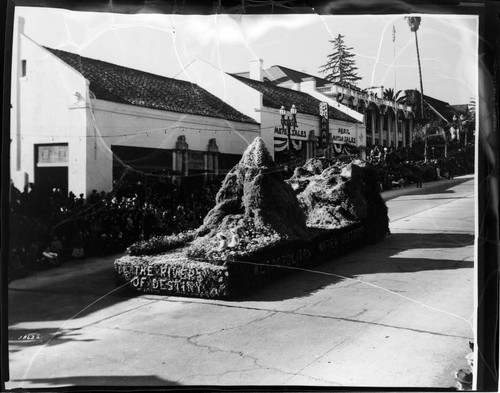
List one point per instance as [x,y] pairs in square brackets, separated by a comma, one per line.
[390,96]
[471,106]
[414,23]
[398,97]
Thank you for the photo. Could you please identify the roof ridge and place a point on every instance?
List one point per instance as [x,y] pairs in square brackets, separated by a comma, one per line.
[118,65]
[308,103]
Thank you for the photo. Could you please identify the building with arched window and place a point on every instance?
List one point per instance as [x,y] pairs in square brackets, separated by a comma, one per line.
[387,123]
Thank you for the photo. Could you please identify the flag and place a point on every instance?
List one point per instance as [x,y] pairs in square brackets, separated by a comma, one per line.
[393,33]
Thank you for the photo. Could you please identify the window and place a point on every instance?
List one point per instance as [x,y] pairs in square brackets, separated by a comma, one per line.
[23,68]
[52,155]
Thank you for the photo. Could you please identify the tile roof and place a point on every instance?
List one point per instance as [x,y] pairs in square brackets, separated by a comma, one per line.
[279,74]
[111,82]
[443,108]
[275,96]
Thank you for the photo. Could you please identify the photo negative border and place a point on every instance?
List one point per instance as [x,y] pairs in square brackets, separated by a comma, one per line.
[487,145]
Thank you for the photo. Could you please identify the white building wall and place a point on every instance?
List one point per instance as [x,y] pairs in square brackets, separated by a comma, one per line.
[99,164]
[45,110]
[310,89]
[235,93]
[127,125]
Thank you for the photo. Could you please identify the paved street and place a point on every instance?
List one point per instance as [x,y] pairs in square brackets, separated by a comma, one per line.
[396,314]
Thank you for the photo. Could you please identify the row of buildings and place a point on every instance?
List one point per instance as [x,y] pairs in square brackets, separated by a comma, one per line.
[78,122]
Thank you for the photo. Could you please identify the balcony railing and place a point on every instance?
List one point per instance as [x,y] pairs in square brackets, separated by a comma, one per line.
[334,90]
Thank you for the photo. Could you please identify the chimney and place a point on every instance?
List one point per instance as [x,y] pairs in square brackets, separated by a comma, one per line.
[20,25]
[256,72]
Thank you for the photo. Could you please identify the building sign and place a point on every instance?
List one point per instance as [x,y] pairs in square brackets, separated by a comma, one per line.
[196,160]
[294,134]
[52,155]
[344,135]
[323,125]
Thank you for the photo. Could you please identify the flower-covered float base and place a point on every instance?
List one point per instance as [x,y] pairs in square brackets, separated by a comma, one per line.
[261,228]
[174,273]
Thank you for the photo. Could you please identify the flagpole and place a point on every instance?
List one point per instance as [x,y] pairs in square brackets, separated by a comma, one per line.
[395,103]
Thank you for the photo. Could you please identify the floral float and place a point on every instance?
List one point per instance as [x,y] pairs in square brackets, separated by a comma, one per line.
[260,227]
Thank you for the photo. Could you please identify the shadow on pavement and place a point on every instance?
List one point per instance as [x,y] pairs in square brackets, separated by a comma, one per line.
[406,241]
[104,381]
[49,337]
[74,290]
[374,259]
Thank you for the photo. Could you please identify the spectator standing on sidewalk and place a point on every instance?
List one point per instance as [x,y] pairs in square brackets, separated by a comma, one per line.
[419,175]
[438,173]
[78,242]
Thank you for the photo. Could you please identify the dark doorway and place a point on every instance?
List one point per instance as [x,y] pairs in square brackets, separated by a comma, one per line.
[48,178]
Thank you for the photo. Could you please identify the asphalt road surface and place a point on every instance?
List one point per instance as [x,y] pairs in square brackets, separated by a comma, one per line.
[395,314]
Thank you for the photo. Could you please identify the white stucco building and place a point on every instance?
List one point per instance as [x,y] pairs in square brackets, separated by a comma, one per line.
[261,100]
[75,120]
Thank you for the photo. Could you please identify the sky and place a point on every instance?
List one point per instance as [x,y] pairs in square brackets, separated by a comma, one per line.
[165,44]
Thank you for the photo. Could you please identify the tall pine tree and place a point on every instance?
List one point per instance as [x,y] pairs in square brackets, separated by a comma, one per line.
[340,67]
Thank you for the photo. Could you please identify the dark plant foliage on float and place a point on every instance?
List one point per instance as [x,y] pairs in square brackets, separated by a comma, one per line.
[161,244]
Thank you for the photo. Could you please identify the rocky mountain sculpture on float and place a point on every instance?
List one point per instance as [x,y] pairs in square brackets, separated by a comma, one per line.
[268,225]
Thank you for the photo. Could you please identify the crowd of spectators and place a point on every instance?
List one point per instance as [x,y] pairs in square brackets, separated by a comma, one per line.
[74,227]
[399,168]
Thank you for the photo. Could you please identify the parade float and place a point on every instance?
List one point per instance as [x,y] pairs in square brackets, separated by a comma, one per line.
[262,228]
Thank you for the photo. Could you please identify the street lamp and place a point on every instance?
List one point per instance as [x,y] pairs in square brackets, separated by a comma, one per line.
[460,127]
[289,123]
[455,118]
[462,122]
